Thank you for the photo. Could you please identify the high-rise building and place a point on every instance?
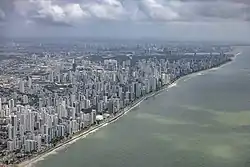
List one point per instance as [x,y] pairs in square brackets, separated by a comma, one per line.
[21,131]
[93,116]
[30,145]
[120,92]
[51,76]
[29,82]
[59,77]
[100,106]
[70,127]
[61,130]
[45,133]
[87,103]
[25,99]
[11,104]
[10,146]
[10,132]
[38,140]
[74,126]
[137,89]
[87,119]
[72,99]
[21,86]
[14,125]
[74,65]
[72,112]
[0,104]
[30,122]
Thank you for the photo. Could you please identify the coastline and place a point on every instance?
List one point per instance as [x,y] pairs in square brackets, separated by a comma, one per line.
[92,129]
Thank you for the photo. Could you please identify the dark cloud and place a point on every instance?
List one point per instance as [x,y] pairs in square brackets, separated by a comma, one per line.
[50,21]
[236,1]
[6,7]
[69,12]
[127,17]
[2,15]
[221,10]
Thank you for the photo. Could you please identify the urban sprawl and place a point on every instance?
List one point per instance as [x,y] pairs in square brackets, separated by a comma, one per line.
[52,92]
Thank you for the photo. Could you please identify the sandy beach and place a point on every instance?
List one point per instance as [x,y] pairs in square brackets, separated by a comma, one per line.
[33,161]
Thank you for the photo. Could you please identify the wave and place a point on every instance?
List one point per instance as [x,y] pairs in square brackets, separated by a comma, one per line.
[173,85]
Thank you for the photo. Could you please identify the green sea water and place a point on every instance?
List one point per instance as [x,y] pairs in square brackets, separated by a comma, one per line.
[203,121]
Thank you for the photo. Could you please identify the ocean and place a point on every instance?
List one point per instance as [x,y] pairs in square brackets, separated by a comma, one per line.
[203,120]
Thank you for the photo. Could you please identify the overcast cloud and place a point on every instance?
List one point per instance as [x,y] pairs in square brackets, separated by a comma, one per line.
[83,17]
[76,11]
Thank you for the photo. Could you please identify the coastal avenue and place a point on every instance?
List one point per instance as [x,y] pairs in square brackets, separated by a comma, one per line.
[202,121]
[50,100]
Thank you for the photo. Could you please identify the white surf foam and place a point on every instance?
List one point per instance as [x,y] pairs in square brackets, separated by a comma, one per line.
[200,73]
[172,85]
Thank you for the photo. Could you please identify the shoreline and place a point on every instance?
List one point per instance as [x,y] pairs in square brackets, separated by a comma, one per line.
[33,160]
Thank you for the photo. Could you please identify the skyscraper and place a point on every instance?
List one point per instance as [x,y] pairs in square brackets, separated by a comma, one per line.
[11,104]
[0,104]
[29,82]
[10,132]
[25,99]
[74,65]
[14,125]
[21,86]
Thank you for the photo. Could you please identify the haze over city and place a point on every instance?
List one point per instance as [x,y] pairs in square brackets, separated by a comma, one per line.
[220,20]
[125,83]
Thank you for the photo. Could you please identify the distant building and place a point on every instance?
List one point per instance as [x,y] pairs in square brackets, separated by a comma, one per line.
[21,86]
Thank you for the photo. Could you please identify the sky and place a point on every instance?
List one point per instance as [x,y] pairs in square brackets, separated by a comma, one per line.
[220,20]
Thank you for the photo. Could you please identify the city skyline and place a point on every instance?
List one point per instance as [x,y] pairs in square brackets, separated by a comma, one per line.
[68,68]
[53,93]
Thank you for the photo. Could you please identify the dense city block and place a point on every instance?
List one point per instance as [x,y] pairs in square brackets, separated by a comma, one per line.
[51,92]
